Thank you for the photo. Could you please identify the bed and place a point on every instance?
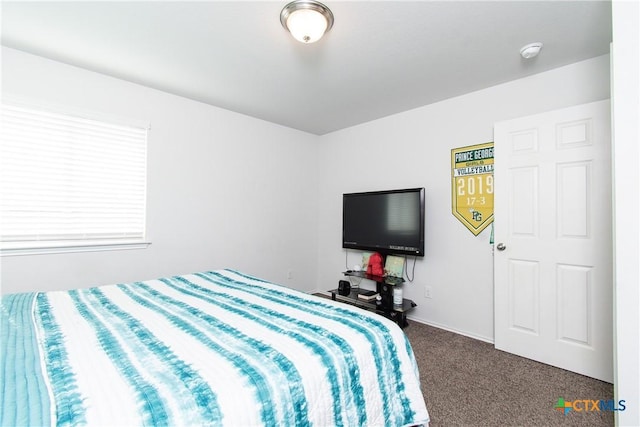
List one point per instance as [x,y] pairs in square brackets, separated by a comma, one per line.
[211,348]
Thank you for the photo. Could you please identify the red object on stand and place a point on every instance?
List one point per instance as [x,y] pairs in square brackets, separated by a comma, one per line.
[375,265]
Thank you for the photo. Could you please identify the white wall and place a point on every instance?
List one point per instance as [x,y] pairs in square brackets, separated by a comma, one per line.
[224,189]
[413,149]
[626,178]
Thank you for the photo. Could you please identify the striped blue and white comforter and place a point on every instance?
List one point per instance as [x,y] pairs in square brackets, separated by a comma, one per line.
[215,348]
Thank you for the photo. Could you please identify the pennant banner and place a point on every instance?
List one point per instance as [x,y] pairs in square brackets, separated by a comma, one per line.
[472,186]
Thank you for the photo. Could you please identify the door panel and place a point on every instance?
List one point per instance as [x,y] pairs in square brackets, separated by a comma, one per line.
[553,280]
[574,304]
[574,194]
[523,198]
[524,297]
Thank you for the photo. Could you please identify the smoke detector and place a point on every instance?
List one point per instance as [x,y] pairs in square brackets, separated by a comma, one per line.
[531,50]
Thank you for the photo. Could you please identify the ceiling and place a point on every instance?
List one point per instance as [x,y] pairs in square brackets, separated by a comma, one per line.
[380,57]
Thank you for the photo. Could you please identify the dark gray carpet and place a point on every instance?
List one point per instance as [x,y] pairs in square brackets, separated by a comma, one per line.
[467,382]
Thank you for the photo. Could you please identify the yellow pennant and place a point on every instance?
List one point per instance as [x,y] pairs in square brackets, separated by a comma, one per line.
[472,186]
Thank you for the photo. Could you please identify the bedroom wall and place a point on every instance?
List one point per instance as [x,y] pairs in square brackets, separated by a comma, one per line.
[626,179]
[224,189]
[413,149]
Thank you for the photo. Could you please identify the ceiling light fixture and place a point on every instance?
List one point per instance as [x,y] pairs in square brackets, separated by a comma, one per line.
[531,50]
[306,20]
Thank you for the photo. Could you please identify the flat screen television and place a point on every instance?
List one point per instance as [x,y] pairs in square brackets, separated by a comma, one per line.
[388,222]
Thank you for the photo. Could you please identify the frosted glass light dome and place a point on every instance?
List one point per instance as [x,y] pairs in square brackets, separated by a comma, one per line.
[307,21]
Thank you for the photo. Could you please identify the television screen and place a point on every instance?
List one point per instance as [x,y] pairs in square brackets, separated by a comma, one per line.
[389,222]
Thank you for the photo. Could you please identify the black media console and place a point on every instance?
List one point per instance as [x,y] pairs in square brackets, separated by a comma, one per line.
[384,288]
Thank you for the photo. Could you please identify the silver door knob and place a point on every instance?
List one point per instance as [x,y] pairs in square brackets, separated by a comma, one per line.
[501,247]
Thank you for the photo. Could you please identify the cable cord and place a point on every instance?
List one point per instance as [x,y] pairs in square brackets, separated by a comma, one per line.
[413,270]
[346,259]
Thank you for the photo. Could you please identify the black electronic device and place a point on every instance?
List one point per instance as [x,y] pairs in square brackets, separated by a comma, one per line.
[389,222]
[386,294]
[344,287]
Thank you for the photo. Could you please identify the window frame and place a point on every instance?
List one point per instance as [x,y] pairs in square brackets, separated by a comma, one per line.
[89,244]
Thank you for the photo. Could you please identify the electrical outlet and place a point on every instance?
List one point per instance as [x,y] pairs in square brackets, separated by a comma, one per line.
[427,291]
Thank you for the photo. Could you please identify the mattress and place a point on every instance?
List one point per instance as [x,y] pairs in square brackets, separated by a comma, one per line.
[211,348]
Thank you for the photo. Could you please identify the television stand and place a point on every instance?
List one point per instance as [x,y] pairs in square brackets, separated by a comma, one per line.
[384,288]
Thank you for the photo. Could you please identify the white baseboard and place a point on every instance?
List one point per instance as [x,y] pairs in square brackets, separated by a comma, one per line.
[450,329]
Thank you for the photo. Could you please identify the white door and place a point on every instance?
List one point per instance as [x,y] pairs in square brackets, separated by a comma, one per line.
[553,254]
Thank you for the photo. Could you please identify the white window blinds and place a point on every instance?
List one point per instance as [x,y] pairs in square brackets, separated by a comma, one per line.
[68,178]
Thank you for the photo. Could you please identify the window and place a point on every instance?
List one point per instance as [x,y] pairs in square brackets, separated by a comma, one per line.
[69,182]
